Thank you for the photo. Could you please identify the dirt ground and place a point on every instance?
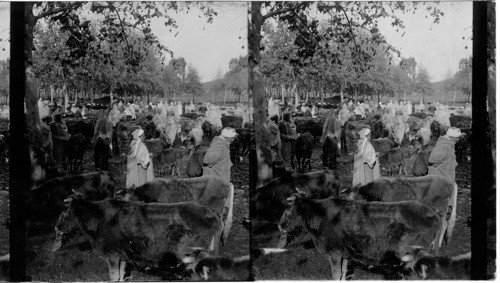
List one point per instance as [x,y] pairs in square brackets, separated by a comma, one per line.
[303,262]
[81,264]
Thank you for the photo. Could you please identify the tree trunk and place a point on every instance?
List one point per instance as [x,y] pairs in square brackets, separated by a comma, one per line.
[263,146]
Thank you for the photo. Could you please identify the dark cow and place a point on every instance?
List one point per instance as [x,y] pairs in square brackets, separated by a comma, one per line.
[303,151]
[83,126]
[46,202]
[150,130]
[234,149]
[460,121]
[433,190]
[330,149]
[76,150]
[167,159]
[102,152]
[155,146]
[245,135]
[421,163]
[462,145]
[195,163]
[378,130]
[208,130]
[428,267]
[382,144]
[437,129]
[391,158]
[268,202]
[154,235]
[369,233]
[311,125]
[210,191]
[231,121]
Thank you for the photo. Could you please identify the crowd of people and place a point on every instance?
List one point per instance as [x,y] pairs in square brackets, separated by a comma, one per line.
[161,117]
[366,164]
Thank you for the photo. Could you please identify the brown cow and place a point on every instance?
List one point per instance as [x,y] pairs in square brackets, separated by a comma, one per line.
[369,233]
[433,190]
[210,191]
[155,235]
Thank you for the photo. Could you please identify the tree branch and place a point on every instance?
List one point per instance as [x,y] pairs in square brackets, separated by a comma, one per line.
[282,11]
[55,11]
[121,24]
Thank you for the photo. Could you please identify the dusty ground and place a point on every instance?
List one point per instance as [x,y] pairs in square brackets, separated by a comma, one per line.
[305,263]
[74,264]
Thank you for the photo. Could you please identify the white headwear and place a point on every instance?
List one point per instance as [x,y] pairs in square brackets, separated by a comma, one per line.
[137,133]
[228,133]
[453,132]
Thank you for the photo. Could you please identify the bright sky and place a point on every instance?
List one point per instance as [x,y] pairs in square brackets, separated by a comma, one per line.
[437,47]
[208,47]
[4,30]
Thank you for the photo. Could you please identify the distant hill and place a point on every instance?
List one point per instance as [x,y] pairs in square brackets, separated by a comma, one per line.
[439,86]
[207,86]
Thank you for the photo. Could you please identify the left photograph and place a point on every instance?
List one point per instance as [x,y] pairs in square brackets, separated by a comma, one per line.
[138,127]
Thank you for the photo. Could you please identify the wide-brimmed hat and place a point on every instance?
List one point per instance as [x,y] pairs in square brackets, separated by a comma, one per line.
[228,133]
[138,132]
[453,132]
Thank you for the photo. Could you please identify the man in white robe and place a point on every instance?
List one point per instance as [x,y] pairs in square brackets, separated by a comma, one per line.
[139,163]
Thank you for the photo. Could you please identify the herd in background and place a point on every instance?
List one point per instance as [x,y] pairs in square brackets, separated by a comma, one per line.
[391,226]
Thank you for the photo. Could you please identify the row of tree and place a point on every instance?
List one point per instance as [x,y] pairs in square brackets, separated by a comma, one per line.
[333,69]
[233,85]
[84,65]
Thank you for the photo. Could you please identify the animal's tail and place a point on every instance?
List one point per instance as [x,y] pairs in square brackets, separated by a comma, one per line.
[453,216]
[229,219]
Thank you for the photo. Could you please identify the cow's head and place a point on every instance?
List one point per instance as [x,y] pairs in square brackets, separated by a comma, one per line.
[197,262]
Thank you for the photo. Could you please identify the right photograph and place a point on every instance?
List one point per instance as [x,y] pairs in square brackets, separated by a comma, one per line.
[363,117]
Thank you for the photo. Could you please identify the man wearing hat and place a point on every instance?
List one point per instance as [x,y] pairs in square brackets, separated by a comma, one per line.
[366,164]
[288,134]
[139,163]
[442,160]
[217,160]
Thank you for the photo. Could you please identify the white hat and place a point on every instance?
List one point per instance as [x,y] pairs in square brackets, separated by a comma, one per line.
[453,132]
[364,132]
[228,133]
[138,132]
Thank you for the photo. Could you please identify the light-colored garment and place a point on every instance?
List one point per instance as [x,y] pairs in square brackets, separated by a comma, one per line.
[114,115]
[344,114]
[442,160]
[137,160]
[217,160]
[364,158]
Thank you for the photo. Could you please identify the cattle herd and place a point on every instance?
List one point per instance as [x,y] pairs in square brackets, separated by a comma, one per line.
[175,226]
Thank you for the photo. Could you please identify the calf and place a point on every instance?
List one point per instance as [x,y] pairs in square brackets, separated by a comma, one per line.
[245,135]
[372,234]
[421,163]
[330,149]
[167,159]
[310,125]
[195,164]
[208,130]
[391,158]
[76,150]
[303,151]
[382,144]
[379,131]
[155,235]
[210,191]
[433,190]
[102,152]
[429,267]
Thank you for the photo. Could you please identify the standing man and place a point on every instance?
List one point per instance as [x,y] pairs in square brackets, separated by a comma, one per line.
[366,164]
[217,160]
[139,164]
[60,139]
[275,139]
[442,160]
[288,134]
